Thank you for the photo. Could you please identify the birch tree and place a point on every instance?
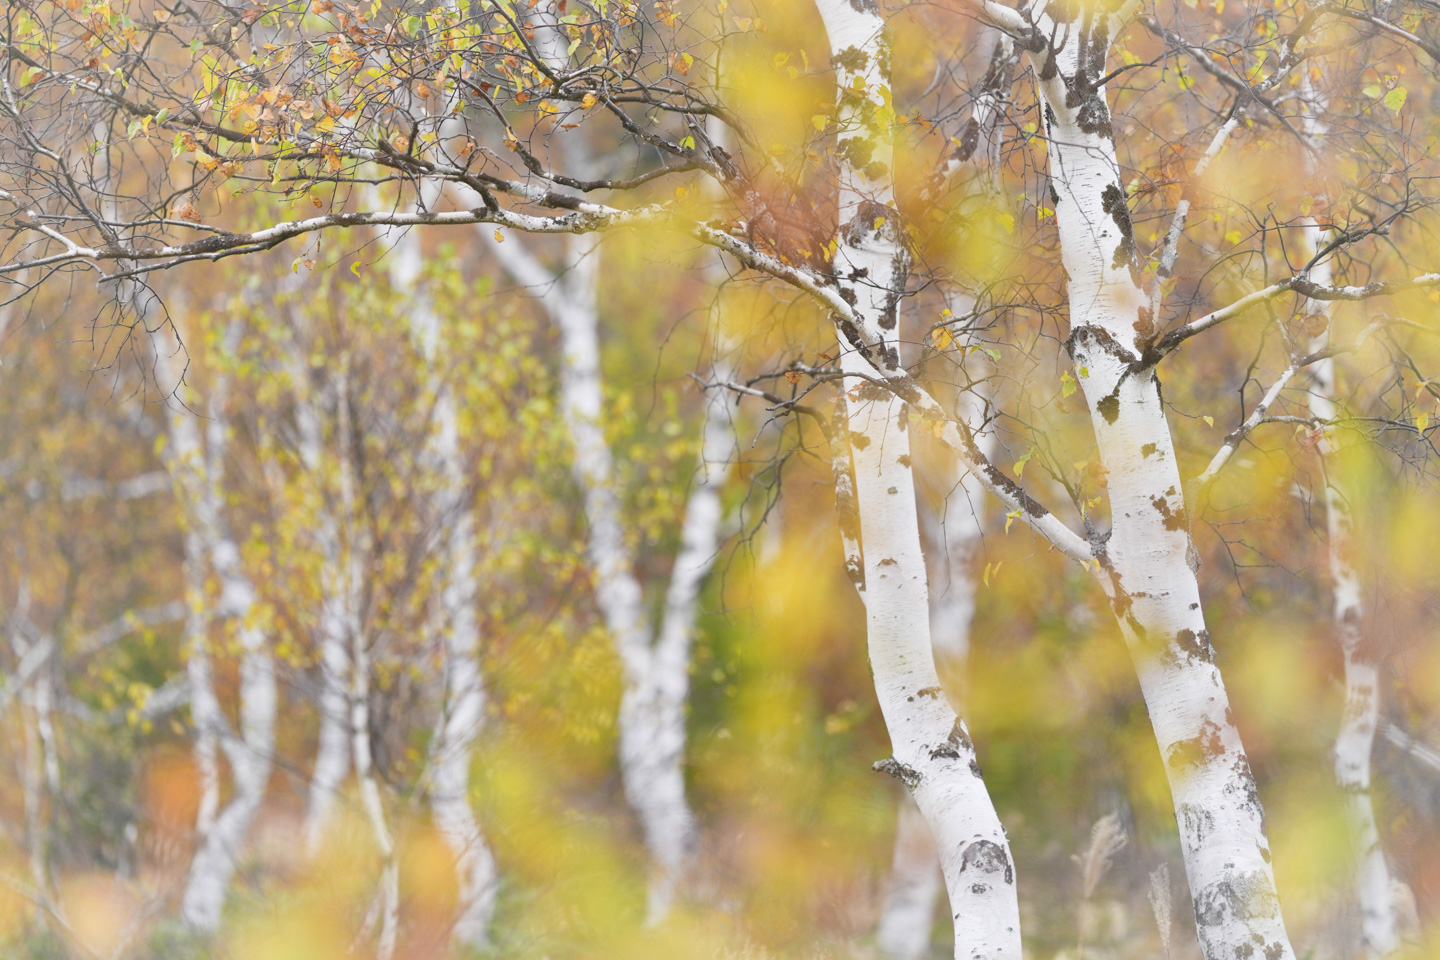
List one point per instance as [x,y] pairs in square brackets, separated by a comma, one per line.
[196,466]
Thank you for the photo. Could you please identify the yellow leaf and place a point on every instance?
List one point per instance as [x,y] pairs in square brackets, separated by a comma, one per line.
[588,101]
[325,125]
[1421,422]
[499,237]
[820,122]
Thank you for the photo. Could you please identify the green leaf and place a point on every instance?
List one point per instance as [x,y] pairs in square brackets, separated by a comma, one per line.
[1395,99]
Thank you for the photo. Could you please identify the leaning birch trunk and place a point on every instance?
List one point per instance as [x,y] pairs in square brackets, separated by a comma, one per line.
[951,536]
[951,533]
[251,758]
[1149,562]
[457,625]
[1358,722]
[932,752]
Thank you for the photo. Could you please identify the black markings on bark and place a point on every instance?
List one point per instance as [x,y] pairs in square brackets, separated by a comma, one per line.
[852,59]
[1112,201]
[969,139]
[903,459]
[1174,520]
[1247,789]
[987,856]
[1148,449]
[1109,408]
[932,692]
[858,440]
[1186,754]
[1145,324]
[1243,896]
[1087,334]
[1196,823]
[906,775]
[1195,647]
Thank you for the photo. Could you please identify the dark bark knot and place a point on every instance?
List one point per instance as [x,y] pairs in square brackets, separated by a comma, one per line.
[986,856]
[957,746]
[906,775]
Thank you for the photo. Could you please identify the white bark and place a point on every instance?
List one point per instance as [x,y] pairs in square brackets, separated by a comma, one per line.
[36,657]
[1356,737]
[197,479]
[1148,562]
[457,628]
[932,751]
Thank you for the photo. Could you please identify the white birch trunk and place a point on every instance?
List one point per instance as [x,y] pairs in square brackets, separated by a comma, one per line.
[32,778]
[652,707]
[369,788]
[197,479]
[951,534]
[332,755]
[1356,737]
[457,629]
[651,753]
[205,710]
[351,581]
[1149,561]
[651,719]
[932,751]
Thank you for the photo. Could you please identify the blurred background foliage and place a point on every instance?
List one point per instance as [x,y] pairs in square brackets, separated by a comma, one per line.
[783,726]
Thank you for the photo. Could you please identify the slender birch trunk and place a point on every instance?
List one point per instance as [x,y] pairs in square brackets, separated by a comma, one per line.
[951,533]
[457,629]
[332,755]
[196,471]
[1149,561]
[32,776]
[651,741]
[656,665]
[204,705]
[1356,737]
[932,752]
